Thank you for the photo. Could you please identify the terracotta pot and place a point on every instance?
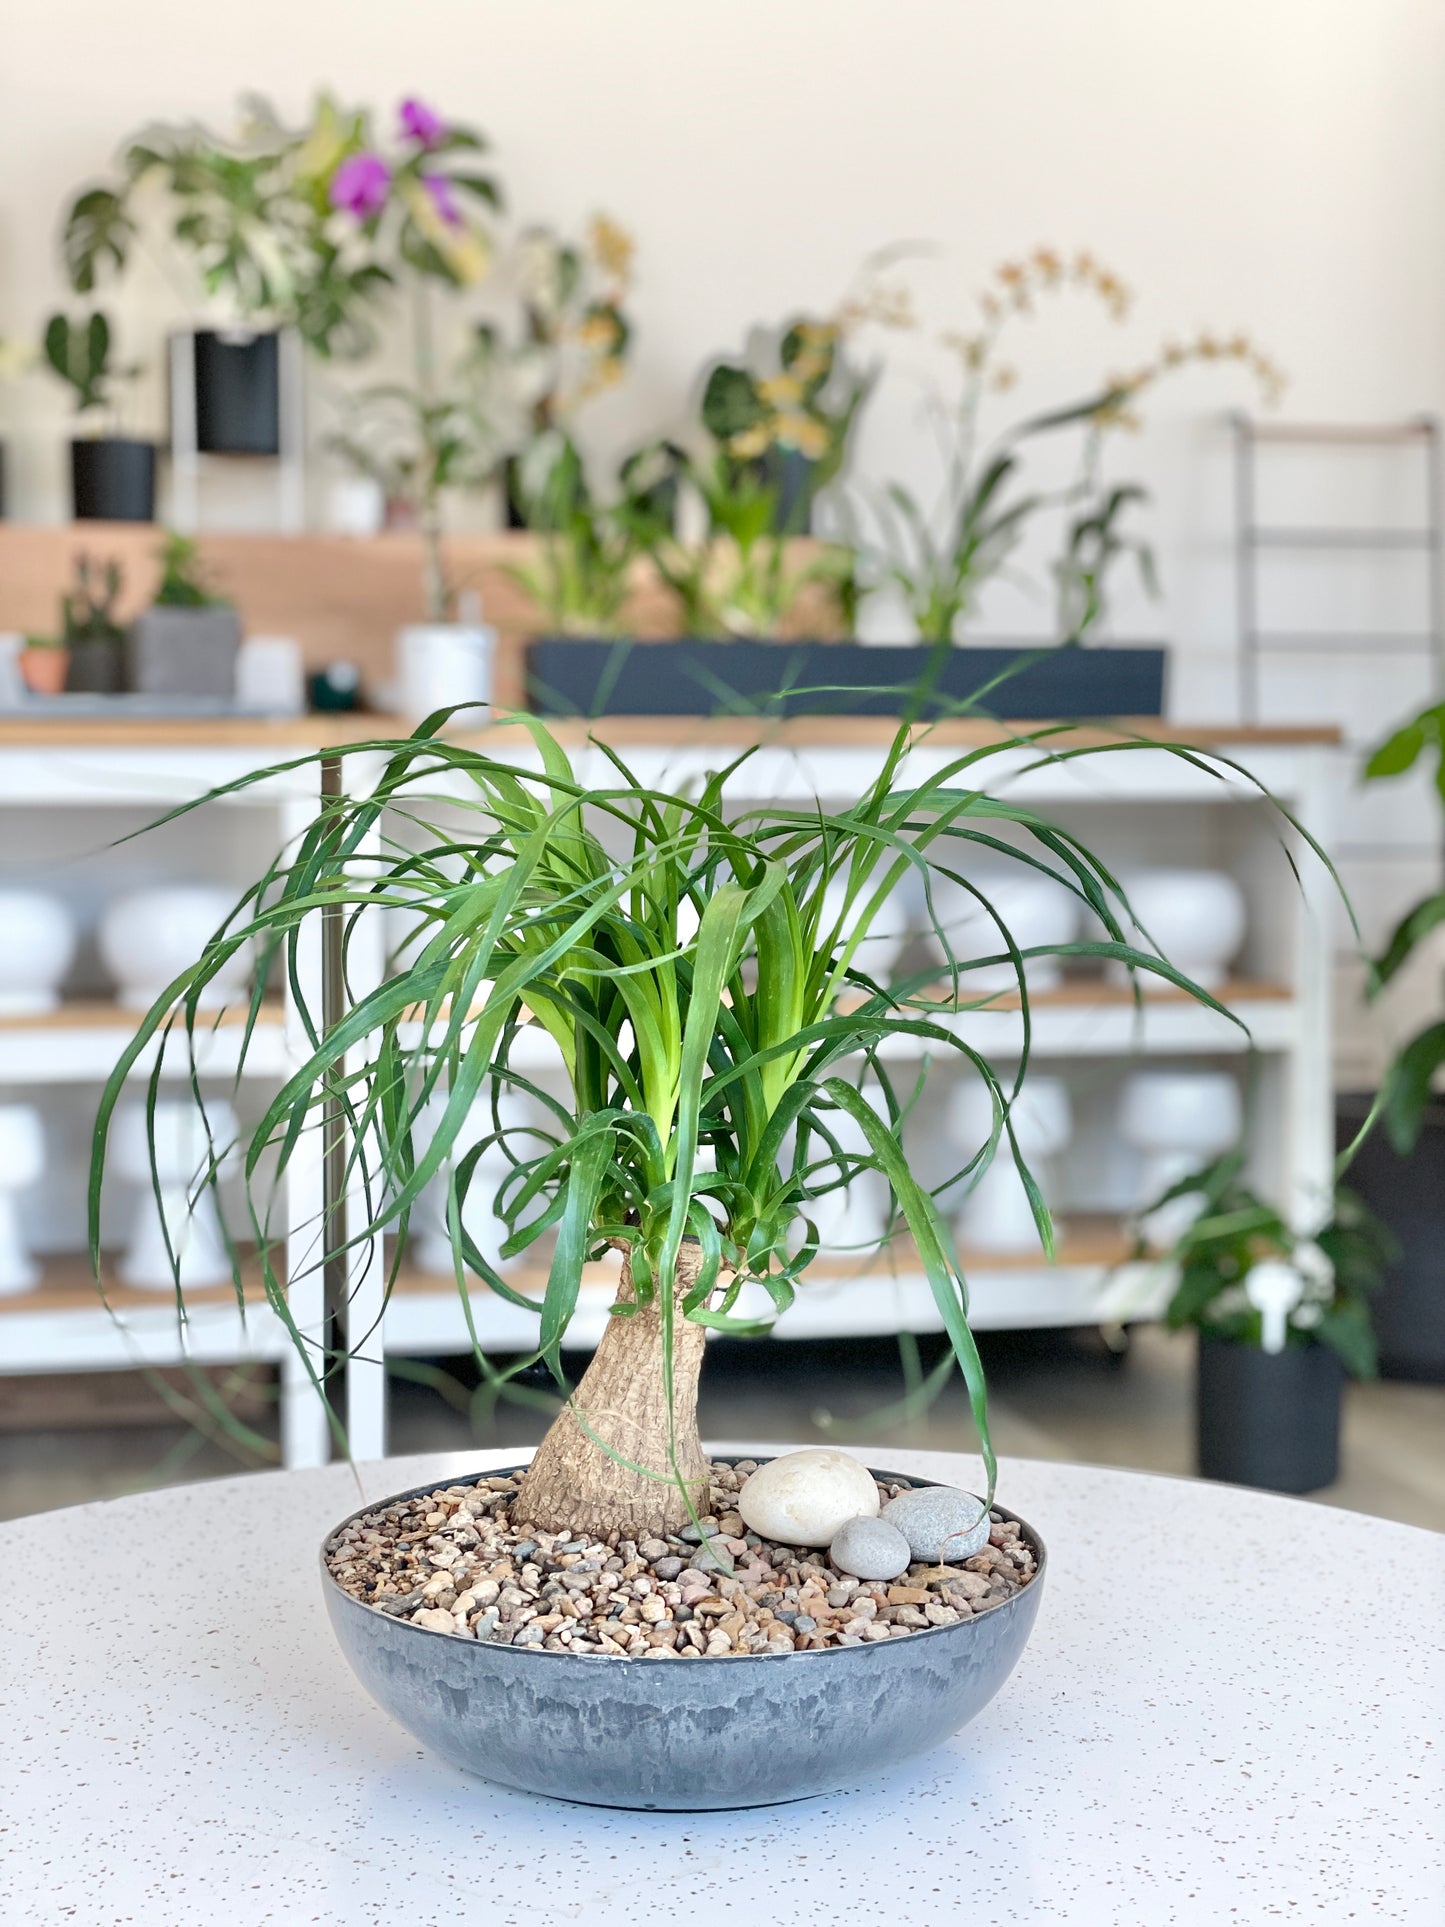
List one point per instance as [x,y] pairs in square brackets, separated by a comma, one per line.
[44,670]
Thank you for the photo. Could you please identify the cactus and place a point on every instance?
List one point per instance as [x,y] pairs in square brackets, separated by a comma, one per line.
[88,610]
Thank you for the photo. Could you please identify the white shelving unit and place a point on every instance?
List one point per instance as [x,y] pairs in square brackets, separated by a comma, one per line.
[1142,804]
[83,793]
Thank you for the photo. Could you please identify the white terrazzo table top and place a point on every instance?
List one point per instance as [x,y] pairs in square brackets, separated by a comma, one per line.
[1236,1716]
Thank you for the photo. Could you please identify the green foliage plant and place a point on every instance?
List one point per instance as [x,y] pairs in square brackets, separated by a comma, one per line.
[1341,1266]
[309,227]
[183,582]
[583,573]
[701,987]
[776,440]
[1409,1083]
[80,353]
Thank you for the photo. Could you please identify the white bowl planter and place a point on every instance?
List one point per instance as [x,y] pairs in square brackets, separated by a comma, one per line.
[1195,918]
[150,936]
[1178,1121]
[1034,909]
[855,1219]
[39,943]
[182,1153]
[22,1159]
[996,1215]
[441,663]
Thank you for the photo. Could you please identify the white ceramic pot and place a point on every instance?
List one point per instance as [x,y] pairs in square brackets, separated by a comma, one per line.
[439,664]
[1034,909]
[271,676]
[22,1159]
[430,1244]
[37,942]
[1194,918]
[853,1219]
[182,1154]
[1178,1121]
[996,1214]
[150,936]
[888,936]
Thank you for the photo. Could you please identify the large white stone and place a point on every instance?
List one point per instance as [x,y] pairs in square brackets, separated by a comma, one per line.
[803,1498]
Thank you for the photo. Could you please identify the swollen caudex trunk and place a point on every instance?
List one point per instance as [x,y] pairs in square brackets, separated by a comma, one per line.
[582,1478]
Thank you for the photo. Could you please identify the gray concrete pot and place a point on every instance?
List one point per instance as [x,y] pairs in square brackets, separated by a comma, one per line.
[184,652]
[740,1731]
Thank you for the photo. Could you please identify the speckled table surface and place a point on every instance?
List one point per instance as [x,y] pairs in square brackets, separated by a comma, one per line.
[1231,1711]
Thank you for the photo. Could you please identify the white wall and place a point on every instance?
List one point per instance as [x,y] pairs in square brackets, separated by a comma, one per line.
[1272,164]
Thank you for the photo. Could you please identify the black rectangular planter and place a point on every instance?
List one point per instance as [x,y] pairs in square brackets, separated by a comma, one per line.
[238,393]
[567,677]
[113,480]
[1269,1419]
[1408,1194]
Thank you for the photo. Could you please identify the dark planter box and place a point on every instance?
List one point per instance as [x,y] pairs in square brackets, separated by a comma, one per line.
[1269,1419]
[95,669]
[113,480]
[1408,1194]
[184,652]
[238,393]
[690,678]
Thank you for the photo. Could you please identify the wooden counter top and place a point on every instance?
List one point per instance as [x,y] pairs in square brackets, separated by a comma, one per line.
[287,736]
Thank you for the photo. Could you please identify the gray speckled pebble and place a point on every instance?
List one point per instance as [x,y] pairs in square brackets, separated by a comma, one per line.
[940,1522]
[870,1549]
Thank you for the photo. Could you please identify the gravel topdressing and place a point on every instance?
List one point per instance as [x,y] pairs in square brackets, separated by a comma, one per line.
[454,1563]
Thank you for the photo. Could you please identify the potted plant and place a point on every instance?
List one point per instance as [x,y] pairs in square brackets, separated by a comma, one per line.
[1400,1171]
[1281,1318]
[778,439]
[695,969]
[112,476]
[571,346]
[308,228]
[185,644]
[773,443]
[93,638]
[44,661]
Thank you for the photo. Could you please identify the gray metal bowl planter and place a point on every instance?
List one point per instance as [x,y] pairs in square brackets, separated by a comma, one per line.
[735,1731]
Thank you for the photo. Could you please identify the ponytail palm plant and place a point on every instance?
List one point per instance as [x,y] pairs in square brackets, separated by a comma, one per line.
[700,981]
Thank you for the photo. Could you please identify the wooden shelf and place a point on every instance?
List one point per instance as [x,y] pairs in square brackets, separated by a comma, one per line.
[1093,993]
[68,1285]
[99,1013]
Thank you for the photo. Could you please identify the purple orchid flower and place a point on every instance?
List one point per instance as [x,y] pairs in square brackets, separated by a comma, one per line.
[421,124]
[443,198]
[360,185]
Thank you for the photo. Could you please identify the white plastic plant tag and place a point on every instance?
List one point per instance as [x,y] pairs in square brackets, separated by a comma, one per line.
[1274,1289]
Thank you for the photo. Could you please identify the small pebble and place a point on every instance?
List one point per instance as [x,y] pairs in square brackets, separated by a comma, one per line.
[870,1549]
[940,1522]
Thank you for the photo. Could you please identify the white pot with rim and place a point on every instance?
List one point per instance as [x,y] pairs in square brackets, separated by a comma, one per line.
[192,1224]
[22,1160]
[996,1215]
[442,664]
[1178,1121]
[1034,909]
[429,1244]
[39,943]
[148,937]
[1194,918]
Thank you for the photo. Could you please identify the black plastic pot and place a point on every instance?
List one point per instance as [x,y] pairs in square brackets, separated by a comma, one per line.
[238,393]
[1408,1195]
[566,677]
[96,668]
[113,480]
[1269,1419]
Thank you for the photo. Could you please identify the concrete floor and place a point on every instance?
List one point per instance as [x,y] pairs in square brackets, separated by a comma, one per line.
[1056,1395]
